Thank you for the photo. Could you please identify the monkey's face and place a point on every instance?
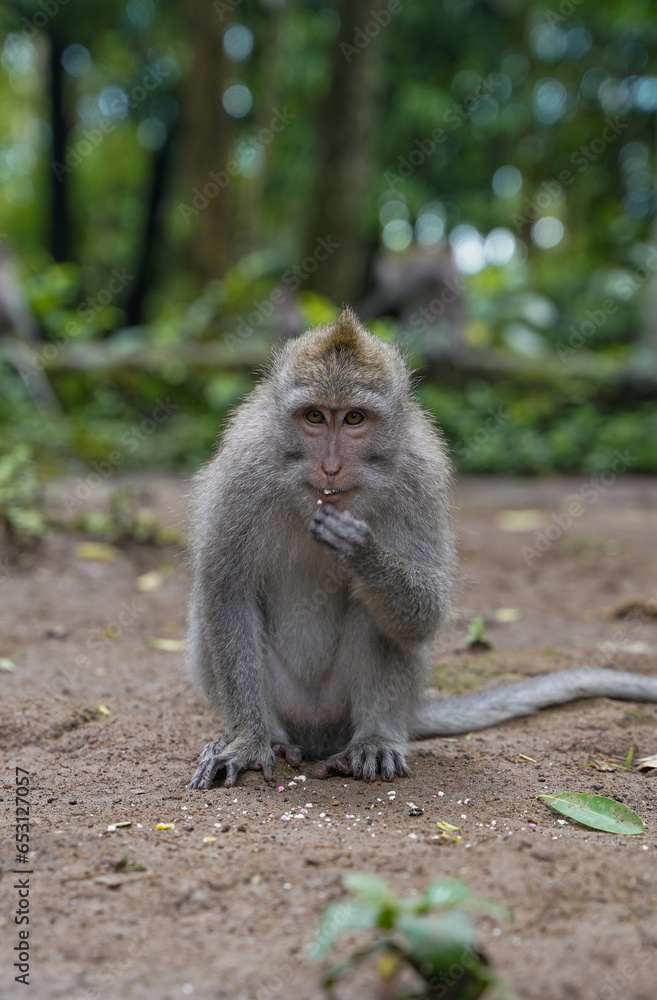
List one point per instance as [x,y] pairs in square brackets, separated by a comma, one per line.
[338,453]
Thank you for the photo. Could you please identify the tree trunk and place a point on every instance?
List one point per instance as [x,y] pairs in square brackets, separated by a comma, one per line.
[153,234]
[346,123]
[59,217]
[208,208]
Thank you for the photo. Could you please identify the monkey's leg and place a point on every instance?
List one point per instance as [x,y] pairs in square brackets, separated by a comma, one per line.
[227,653]
[385,683]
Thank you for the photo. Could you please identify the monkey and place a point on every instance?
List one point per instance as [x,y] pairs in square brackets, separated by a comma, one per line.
[323,566]
[425,291]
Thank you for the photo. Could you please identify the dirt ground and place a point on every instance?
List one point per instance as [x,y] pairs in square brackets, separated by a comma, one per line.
[231,916]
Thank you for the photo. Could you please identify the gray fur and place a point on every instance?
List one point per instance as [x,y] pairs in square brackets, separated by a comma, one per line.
[310,628]
[455,716]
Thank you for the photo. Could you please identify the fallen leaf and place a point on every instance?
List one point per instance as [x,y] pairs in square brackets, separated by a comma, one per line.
[167,645]
[102,710]
[96,551]
[115,881]
[525,757]
[8,666]
[507,615]
[149,581]
[209,840]
[442,825]
[164,826]
[520,520]
[596,812]
[646,762]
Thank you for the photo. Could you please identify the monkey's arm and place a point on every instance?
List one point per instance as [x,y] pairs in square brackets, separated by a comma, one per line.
[455,716]
[227,656]
[407,599]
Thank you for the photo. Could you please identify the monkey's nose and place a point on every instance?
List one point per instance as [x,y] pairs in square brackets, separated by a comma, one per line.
[331,471]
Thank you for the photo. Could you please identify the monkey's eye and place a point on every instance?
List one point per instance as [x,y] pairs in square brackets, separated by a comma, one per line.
[354,417]
[314,416]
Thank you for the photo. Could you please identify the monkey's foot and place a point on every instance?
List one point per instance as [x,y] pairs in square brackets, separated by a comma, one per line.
[340,532]
[233,756]
[290,753]
[366,759]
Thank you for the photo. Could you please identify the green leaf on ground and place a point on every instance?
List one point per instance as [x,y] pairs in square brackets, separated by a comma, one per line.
[596,811]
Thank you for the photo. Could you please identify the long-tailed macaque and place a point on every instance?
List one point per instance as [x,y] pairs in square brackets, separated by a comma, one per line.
[323,567]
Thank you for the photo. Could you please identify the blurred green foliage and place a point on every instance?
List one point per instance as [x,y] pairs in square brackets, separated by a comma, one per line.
[523,133]
[433,933]
[21,521]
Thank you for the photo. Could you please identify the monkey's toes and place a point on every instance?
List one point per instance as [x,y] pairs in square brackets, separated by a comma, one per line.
[289,752]
[334,765]
[370,758]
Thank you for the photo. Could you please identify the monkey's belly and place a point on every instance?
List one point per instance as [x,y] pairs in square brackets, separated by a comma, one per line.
[315,716]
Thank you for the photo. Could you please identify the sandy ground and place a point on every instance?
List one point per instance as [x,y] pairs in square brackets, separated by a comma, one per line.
[230,917]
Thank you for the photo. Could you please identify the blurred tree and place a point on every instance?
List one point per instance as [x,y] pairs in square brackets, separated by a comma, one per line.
[346,122]
[207,138]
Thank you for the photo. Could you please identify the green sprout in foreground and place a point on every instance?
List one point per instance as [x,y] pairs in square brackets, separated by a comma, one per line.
[440,946]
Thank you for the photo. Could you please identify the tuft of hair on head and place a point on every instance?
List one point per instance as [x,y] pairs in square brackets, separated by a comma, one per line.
[343,358]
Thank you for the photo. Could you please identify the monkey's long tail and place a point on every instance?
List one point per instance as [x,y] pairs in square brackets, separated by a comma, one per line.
[455,716]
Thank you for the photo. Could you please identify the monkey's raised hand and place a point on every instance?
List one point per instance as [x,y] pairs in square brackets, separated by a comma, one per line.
[342,534]
[233,756]
[403,596]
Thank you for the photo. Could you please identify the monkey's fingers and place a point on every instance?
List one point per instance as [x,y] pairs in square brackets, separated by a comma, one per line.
[289,752]
[339,546]
[237,762]
[218,756]
[209,763]
[205,773]
[335,765]
[342,533]
[369,758]
[392,763]
[330,513]
[342,522]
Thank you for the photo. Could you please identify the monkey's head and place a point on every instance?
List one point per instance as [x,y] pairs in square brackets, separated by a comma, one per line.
[343,393]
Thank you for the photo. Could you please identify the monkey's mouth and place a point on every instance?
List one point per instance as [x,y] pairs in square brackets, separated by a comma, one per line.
[329,494]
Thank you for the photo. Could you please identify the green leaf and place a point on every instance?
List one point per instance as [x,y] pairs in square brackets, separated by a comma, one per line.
[369,887]
[350,915]
[440,941]
[447,892]
[596,811]
[476,629]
